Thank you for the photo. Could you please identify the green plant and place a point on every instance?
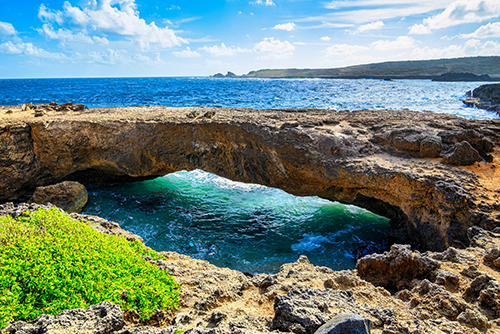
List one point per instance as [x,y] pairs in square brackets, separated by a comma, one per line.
[50,262]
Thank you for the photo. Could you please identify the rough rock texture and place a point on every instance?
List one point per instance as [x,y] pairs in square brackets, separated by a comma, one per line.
[70,196]
[346,323]
[379,160]
[489,93]
[462,154]
[459,294]
[103,318]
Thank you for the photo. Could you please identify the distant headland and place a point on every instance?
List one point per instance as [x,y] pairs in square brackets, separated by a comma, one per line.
[456,69]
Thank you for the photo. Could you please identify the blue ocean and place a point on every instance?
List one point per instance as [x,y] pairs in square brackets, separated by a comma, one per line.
[246,227]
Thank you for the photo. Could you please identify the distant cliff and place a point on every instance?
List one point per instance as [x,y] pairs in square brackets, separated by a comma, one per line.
[421,69]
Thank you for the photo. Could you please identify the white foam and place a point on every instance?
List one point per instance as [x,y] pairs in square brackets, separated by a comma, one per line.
[310,242]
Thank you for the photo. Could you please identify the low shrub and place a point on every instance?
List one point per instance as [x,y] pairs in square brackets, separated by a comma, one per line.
[50,262]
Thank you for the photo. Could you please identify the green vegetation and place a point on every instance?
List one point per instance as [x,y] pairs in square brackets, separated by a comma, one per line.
[393,70]
[50,262]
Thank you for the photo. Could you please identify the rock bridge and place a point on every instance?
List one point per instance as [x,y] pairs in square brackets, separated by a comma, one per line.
[399,164]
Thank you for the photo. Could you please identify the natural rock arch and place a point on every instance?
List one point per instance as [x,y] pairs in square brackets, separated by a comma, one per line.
[371,159]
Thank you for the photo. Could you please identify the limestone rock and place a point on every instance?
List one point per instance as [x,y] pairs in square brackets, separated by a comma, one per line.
[395,269]
[372,159]
[68,195]
[462,154]
[103,318]
[346,323]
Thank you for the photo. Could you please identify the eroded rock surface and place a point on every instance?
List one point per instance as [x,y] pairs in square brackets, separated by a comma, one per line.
[390,162]
[70,196]
[457,292]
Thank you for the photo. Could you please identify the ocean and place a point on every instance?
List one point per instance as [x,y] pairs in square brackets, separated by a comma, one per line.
[246,227]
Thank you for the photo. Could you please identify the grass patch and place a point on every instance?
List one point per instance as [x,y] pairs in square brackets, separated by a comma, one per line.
[50,262]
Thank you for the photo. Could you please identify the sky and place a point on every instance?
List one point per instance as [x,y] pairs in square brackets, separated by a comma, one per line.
[136,38]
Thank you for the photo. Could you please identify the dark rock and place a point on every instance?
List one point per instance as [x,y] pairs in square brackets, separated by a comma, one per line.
[304,310]
[486,290]
[103,318]
[490,93]
[395,269]
[461,76]
[462,154]
[68,195]
[346,323]
[431,146]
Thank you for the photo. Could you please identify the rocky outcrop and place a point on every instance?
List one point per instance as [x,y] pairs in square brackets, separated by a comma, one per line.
[462,76]
[389,162]
[486,97]
[456,292]
[70,196]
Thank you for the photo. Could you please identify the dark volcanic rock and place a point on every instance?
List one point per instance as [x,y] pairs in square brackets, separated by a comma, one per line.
[488,93]
[346,323]
[68,195]
[462,154]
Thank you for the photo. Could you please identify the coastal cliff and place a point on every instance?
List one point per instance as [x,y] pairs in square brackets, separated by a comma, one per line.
[433,175]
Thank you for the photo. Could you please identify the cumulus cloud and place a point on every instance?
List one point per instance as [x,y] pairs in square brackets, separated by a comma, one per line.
[472,47]
[7,29]
[186,53]
[402,42]
[28,49]
[325,38]
[112,17]
[223,50]
[459,12]
[344,49]
[270,48]
[371,26]
[490,30]
[286,26]
[66,35]
[265,3]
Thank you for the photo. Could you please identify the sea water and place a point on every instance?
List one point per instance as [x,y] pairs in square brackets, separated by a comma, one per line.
[336,94]
[247,227]
[241,226]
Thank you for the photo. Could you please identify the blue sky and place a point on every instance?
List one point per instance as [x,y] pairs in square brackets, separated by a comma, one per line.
[96,38]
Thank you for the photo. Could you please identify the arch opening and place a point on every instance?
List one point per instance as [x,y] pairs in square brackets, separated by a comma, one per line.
[248,227]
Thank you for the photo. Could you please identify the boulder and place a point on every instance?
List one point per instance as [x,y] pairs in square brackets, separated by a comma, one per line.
[103,318]
[346,323]
[68,195]
[395,269]
[462,154]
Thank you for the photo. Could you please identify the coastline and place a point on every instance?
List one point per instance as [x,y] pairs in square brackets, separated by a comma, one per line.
[390,161]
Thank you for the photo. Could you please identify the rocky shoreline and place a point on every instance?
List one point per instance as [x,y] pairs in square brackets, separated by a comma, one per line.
[400,291]
[433,175]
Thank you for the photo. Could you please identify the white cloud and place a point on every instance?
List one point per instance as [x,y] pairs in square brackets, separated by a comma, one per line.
[112,17]
[28,49]
[286,26]
[344,49]
[472,47]
[490,30]
[108,57]
[459,12]
[325,38]
[186,53]
[223,50]
[66,35]
[371,26]
[402,42]
[7,29]
[266,3]
[271,48]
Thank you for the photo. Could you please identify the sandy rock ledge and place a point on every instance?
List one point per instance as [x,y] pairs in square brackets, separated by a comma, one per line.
[400,291]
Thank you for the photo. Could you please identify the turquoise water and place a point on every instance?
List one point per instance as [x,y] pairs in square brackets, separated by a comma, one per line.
[247,227]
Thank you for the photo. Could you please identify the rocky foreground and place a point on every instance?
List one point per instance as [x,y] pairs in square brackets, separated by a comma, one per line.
[434,175]
[401,291]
